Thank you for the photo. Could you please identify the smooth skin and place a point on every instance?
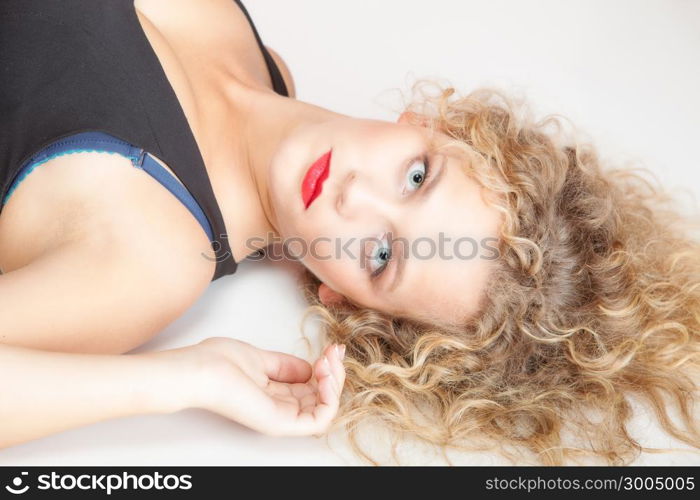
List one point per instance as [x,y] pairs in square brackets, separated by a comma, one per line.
[84,280]
[89,272]
[271,392]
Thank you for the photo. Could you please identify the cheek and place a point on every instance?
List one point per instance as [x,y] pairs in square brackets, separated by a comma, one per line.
[333,265]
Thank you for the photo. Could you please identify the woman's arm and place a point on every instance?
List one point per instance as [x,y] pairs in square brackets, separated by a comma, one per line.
[101,291]
[44,392]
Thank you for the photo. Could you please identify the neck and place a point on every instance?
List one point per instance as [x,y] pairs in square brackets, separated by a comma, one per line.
[254,124]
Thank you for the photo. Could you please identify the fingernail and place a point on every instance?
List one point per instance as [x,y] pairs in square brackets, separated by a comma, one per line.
[342,351]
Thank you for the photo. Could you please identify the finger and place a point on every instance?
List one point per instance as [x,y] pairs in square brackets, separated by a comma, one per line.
[316,417]
[327,405]
[336,366]
[303,390]
[278,389]
[284,367]
[298,390]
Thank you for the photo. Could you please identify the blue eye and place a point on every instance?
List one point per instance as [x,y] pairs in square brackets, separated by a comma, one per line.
[379,258]
[417,173]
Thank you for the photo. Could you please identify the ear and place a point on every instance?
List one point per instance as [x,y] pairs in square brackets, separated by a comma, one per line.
[328,296]
[411,118]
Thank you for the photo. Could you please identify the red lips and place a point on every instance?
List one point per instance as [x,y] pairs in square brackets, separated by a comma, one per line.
[313,180]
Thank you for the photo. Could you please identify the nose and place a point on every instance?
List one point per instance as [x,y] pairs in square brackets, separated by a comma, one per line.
[357,194]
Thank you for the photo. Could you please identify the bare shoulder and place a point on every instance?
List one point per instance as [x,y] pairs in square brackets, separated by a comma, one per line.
[96,257]
[217,28]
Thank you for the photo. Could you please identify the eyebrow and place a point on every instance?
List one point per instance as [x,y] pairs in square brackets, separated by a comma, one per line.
[401,261]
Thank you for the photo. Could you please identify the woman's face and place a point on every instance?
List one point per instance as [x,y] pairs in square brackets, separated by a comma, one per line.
[388,230]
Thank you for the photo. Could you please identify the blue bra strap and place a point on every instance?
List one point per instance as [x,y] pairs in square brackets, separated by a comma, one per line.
[181,193]
[103,142]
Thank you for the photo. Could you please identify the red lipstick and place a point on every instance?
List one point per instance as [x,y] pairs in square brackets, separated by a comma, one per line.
[313,180]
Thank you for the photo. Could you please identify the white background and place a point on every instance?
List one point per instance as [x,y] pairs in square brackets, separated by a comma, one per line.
[626,73]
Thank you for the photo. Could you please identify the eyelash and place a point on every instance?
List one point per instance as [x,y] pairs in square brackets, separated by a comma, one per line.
[426,161]
[428,173]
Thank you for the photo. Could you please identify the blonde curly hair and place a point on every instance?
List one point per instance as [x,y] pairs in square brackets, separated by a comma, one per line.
[595,295]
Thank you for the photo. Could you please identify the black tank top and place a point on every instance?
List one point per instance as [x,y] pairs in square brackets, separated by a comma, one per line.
[70,66]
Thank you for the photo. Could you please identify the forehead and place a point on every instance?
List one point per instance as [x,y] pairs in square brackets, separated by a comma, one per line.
[381,131]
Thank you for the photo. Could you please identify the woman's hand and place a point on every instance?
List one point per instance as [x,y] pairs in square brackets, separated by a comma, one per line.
[271,392]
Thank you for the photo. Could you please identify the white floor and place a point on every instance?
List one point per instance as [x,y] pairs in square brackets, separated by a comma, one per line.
[625,72]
